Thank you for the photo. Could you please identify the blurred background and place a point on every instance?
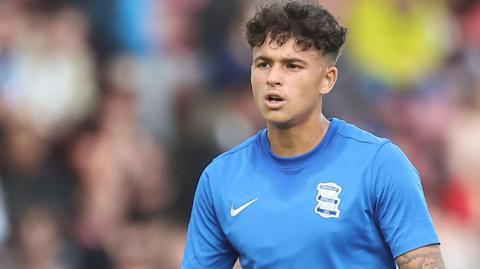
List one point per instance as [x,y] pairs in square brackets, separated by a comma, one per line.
[110,110]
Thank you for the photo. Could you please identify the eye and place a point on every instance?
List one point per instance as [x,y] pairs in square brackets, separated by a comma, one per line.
[262,65]
[294,66]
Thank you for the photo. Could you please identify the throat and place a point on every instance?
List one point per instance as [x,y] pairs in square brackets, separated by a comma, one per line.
[297,141]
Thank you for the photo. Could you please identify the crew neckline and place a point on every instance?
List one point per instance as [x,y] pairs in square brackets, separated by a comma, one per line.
[302,159]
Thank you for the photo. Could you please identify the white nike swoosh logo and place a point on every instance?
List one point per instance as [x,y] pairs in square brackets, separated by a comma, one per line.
[234,212]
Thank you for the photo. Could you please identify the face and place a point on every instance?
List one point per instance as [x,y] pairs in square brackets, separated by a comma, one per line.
[288,84]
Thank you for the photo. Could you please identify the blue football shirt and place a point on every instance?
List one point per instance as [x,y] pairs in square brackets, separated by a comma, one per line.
[354,201]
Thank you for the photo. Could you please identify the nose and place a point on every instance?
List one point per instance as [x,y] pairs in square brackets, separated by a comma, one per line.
[275,76]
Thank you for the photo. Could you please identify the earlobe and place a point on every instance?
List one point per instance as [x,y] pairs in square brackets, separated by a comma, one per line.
[329,79]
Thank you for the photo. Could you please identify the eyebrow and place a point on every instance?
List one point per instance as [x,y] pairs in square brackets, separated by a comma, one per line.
[284,60]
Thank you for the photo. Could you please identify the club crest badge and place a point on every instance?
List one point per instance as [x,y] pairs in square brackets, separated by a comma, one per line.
[328,200]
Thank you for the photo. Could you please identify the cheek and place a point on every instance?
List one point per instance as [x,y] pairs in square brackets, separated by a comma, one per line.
[256,77]
[256,82]
[309,85]
[307,90]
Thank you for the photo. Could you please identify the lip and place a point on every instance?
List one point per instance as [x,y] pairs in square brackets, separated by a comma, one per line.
[274,105]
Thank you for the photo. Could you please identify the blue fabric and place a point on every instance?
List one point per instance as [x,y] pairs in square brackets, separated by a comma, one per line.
[355,201]
[133,20]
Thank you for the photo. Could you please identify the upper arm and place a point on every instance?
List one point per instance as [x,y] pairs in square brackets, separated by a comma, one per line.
[401,211]
[428,257]
[207,246]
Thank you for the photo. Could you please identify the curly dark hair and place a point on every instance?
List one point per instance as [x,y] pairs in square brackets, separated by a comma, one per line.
[309,24]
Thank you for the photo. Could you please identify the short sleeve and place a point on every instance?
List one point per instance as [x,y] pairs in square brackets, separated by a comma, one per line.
[207,245]
[401,210]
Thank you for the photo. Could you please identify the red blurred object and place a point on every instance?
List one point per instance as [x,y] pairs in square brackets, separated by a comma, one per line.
[455,201]
[470,27]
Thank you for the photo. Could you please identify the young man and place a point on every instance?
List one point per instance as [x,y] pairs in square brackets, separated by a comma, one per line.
[307,192]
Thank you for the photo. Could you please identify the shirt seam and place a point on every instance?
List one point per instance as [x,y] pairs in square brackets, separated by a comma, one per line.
[364,141]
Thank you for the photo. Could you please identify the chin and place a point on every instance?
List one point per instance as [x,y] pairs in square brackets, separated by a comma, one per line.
[277,118]
[278,123]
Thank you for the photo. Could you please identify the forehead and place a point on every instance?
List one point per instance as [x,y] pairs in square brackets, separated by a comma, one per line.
[289,49]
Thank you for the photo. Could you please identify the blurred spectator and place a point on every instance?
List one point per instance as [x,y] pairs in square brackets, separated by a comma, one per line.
[398,41]
[123,172]
[226,53]
[467,14]
[50,58]
[239,119]
[148,245]
[463,159]
[33,174]
[109,111]
[459,242]
[134,22]
[40,243]
[4,228]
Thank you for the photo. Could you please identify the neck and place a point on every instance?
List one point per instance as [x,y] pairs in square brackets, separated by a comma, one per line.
[294,141]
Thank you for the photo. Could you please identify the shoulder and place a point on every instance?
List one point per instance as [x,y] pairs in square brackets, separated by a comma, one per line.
[357,141]
[379,150]
[356,134]
[228,167]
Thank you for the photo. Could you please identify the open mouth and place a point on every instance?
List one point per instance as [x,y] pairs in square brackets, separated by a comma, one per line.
[274,101]
[274,98]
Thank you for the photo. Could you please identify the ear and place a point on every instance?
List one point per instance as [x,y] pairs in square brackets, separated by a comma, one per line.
[329,79]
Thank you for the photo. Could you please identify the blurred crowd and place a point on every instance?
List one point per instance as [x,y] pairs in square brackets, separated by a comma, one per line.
[110,110]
